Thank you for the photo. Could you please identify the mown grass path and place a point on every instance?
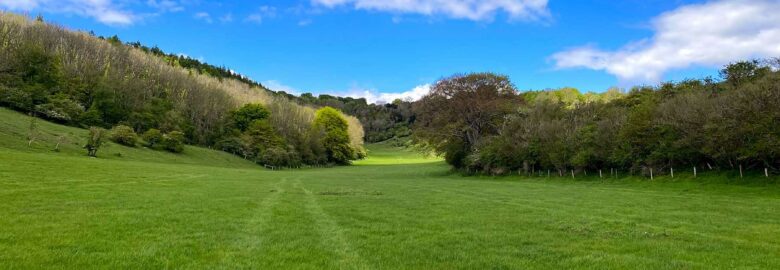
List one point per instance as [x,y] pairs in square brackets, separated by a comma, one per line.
[394,210]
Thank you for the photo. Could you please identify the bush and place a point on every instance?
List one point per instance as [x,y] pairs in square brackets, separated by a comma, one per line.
[275,156]
[124,135]
[152,138]
[173,142]
[95,140]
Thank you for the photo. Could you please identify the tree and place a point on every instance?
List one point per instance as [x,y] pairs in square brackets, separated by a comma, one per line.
[95,140]
[336,137]
[744,71]
[249,113]
[33,130]
[463,109]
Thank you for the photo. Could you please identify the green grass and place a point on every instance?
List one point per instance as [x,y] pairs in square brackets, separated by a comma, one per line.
[154,210]
[15,131]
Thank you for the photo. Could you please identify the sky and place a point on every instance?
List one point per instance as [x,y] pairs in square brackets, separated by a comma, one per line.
[387,49]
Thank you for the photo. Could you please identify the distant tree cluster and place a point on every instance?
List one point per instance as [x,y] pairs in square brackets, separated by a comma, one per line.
[78,79]
[482,124]
[381,122]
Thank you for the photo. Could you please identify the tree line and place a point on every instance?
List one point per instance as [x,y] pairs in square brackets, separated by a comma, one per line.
[78,79]
[481,123]
[381,122]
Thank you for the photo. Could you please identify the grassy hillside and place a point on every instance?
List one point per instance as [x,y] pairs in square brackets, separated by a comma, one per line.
[395,209]
[15,131]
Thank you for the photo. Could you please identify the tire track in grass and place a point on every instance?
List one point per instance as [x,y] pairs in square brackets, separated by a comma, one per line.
[332,233]
[259,221]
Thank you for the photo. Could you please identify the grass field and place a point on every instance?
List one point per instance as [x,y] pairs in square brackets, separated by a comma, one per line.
[203,209]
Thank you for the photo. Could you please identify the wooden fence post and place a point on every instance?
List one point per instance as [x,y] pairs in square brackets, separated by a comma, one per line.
[651,174]
[694,171]
[572,174]
[766,172]
[672,171]
[600,175]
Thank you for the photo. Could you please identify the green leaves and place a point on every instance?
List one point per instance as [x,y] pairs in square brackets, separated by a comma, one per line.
[336,140]
[249,113]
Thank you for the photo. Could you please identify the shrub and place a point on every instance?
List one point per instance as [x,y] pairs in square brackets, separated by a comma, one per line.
[152,138]
[95,140]
[275,156]
[124,135]
[173,142]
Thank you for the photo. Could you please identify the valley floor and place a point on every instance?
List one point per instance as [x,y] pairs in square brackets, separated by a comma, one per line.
[395,210]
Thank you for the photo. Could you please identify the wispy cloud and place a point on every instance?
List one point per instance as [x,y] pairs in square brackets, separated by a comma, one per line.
[166,5]
[264,12]
[19,4]
[710,34]
[204,16]
[475,10]
[110,12]
[104,11]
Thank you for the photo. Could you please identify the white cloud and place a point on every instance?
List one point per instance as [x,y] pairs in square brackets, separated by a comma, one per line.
[264,12]
[476,10]
[278,86]
[165,5]
[372,96]
[709,35]
[204,16]
[25,5]
[111,12]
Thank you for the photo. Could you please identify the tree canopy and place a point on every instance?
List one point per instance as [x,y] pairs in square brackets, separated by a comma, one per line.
[336,140]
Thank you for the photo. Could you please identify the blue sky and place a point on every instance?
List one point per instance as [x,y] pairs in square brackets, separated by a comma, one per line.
[379,48]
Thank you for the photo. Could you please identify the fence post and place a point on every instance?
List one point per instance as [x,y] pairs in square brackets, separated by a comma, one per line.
[672,170]
[572,174]
[766,172]
[694,171]
[600,175]
[651,174]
